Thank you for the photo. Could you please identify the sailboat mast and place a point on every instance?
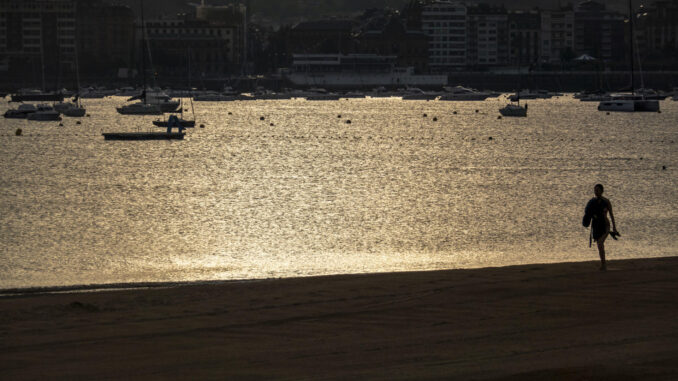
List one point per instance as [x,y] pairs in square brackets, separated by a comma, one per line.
[143,50]
[42,50]
[633,87]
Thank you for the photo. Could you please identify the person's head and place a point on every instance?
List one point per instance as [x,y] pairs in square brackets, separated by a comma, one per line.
[598,190]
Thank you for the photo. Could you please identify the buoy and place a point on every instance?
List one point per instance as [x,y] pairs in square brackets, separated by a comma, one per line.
[659,111]
[61,124]
[425,115]
[78,122]
[338,116]
[490,138]
[230,113]
[608,113]
[499,117]
[262,118]
[88,115]
[476,111]
[454,112]
[185,110]
[348,121]
[202,126]
[272,124]
[19,132]
[663,168]
[435,119]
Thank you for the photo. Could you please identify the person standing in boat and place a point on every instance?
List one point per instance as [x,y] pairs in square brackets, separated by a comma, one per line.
[595,215]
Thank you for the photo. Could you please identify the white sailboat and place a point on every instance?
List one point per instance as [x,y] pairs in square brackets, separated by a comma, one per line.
[144,108]
[153,102]
[634,102]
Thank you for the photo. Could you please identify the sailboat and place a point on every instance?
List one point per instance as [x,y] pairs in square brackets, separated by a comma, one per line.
[180,120]
[630,102]
[514,108]
[73,109]
[185,123]
[144,108]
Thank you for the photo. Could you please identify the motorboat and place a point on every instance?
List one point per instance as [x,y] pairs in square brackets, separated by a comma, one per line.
[44,113]
[415,94]
[629,103]
[157,98]
[592,97]
[319,94]
[71,109]
[30,95]
[650,94]
[21,112]
[140,108]
[213,96]
[460,93]
[529,94]
[513,110]
[353,95]
[75,112]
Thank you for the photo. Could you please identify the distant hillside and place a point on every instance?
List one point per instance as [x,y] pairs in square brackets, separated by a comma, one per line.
[287,11]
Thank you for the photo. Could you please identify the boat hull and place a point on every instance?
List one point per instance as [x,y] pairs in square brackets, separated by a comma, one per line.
[146,111]
[37,98]
[75,112]
[513,111]
[44,117]
[144,136]
[183,123]
[629,105]
[14,114]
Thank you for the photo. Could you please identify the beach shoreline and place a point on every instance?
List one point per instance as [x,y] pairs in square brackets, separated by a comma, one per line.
[533,322]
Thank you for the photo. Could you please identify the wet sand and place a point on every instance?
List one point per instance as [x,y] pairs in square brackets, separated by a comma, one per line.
[538,322]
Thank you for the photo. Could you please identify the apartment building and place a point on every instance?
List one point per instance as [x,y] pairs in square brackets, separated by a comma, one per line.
[445,23]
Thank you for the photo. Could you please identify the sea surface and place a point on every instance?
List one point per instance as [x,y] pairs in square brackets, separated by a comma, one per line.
[302,192]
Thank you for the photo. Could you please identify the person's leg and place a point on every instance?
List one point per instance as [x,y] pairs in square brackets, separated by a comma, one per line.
[601,251]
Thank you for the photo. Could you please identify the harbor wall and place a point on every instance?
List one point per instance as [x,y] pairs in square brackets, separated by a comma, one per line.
[552,81]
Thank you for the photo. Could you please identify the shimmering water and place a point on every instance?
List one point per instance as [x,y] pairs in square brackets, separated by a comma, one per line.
[311,194]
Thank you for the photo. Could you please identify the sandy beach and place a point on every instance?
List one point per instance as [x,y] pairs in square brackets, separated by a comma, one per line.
[539,322]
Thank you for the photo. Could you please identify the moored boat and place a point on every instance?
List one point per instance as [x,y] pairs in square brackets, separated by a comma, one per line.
[181,122]
[629,103]
[514,110]
[36,96]
[140,108]
[151,135]
[21,112]
[44,113]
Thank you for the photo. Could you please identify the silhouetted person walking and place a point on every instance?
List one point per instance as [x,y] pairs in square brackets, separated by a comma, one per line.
[596,215]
